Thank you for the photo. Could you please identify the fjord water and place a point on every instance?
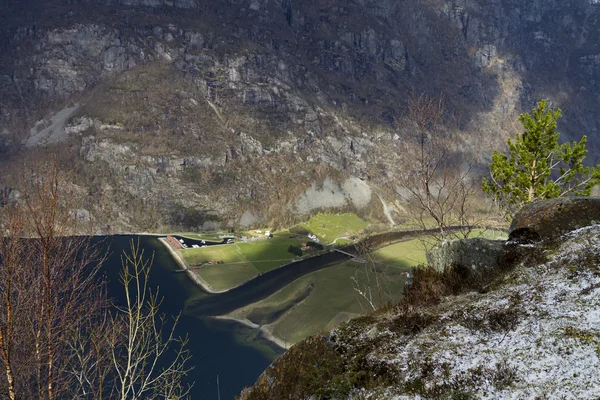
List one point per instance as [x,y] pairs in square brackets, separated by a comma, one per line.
[234,352]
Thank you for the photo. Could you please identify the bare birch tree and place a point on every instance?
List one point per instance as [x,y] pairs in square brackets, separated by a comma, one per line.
[150,362]
[436,182]
[48,276]
[373,288]
[58,336]
[15,301]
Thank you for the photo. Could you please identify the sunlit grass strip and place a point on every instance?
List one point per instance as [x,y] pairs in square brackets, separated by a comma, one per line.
[328,227]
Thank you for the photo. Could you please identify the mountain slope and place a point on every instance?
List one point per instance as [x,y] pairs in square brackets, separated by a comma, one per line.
[203,111]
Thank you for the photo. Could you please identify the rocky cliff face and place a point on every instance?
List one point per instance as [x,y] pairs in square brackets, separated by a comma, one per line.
[201,111]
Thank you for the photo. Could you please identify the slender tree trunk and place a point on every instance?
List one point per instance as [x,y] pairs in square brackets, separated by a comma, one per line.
[11,382]
[5,337]
[38,358]
[49,319]
[532,182]
[10,377]
[50,368]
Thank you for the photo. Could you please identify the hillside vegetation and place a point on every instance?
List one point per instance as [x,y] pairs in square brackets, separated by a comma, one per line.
[529,330]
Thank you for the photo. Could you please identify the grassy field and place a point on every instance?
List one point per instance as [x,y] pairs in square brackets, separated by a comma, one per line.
[323,299]
[261,252]
[241,261]
[401,255]
[277,305]
[228,253]
[244,260]
[328,227]
[235,268]
[226,276]
[335,299]
[211,237]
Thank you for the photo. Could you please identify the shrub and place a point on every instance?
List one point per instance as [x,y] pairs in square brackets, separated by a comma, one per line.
[315,245]
[295,250]
[306,370]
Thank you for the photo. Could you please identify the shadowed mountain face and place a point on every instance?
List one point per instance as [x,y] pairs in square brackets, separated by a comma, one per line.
[187,113]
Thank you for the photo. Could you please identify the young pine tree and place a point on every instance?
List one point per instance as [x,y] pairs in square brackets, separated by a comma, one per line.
[538,167]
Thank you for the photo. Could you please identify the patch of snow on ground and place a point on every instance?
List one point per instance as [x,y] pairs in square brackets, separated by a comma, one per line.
[553,350]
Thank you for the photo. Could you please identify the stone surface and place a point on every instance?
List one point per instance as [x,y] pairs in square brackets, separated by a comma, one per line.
[249,219]
[352,192]
[549,219]
[477,255]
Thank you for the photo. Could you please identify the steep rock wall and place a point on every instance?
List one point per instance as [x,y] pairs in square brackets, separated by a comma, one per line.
[313,89]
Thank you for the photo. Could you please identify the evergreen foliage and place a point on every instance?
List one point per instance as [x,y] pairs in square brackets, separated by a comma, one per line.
[295,250]
[538,167]
[315,245]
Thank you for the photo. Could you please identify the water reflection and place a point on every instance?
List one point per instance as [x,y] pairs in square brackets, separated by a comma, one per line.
[234,352]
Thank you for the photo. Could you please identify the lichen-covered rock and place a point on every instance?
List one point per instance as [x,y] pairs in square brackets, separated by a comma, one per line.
[476,255]
[549,219]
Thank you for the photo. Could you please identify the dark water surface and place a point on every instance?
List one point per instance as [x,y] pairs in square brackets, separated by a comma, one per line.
[235,353]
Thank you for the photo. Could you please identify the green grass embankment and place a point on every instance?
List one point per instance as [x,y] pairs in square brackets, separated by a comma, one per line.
[328,227]
[245,260]
[240,261]
[323,299]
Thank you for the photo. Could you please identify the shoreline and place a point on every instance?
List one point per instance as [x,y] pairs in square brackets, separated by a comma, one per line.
[267,334]
[194,277]
[208,288]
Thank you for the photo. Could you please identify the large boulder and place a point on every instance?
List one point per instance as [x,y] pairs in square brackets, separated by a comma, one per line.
[476,255]
[549,219]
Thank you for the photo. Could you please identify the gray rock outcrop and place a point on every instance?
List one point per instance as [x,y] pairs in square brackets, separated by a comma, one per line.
[550,219]
[476,255]
[249,103]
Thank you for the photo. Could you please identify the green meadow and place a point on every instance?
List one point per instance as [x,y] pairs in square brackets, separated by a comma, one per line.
[240,261]
[328,227]
[323,299]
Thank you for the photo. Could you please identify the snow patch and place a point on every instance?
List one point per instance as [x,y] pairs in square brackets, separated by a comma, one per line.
[552,351]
